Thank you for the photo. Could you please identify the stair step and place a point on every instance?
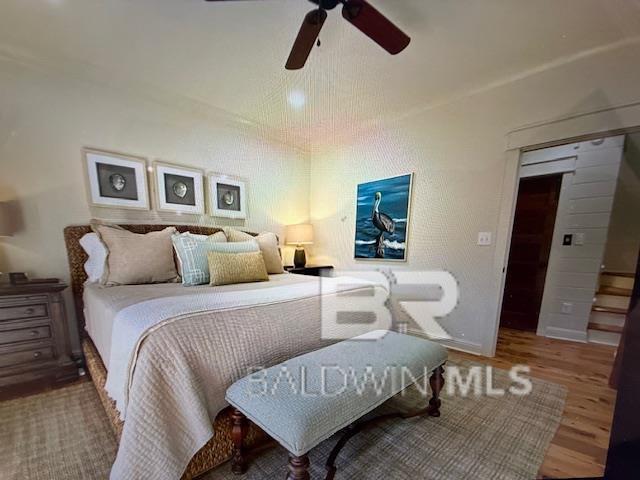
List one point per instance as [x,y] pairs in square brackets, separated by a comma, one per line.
[620,274]
[607,318]
[612,301]
[621,281]
[620,292]
[601,327]
[604,338]
[617,311]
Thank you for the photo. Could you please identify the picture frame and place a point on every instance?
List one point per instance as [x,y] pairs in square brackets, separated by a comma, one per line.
[179,189]
[227,197]
[387,237]
[115,180]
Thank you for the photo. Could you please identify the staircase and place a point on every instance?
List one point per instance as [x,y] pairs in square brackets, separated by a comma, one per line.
[610,308]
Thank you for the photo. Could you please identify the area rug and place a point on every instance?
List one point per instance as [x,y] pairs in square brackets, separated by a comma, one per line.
[64,434]
[61,434]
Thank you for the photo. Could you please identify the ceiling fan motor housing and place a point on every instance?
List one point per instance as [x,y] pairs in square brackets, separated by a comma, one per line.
[327,4]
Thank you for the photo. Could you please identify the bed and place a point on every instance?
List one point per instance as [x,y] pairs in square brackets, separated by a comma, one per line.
[187,345]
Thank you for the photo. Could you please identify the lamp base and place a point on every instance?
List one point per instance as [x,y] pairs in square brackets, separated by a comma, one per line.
[299,258]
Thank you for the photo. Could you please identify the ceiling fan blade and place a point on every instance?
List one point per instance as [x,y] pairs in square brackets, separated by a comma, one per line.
[306,39]
[375,26]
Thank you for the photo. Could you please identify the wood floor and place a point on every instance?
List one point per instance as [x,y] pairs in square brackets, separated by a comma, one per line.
[579,448]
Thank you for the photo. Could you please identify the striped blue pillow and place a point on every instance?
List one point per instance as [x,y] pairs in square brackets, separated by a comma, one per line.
[192,254]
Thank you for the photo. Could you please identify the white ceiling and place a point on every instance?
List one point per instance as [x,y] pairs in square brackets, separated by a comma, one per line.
[231,55]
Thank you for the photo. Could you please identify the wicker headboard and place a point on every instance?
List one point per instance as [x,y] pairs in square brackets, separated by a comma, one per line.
[77,256]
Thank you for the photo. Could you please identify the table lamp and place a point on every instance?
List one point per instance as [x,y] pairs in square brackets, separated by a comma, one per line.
[6,226]
[299,235]
[6,229]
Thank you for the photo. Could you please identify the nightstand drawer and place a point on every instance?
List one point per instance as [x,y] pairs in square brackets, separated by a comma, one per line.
[25,334]
[24,311]
[35,348]
[26,356]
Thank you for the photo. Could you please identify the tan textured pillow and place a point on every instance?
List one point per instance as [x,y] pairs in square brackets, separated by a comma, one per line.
[229,268]
[268,243]
[135,258]
[234,235]
[270,252]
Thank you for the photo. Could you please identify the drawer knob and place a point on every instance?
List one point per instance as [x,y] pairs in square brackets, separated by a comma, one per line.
[36,354]
[34,333]
[30,310]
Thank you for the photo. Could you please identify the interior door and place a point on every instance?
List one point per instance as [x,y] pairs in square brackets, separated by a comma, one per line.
[533,224]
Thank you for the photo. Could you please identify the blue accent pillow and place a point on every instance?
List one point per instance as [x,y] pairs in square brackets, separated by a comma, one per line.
[192,254]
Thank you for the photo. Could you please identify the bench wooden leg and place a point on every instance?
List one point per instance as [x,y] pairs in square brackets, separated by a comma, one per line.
[436,382]
[298,468]
[238,431]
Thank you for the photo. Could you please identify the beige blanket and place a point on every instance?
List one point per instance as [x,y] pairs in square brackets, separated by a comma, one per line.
[102,305]
[182,372]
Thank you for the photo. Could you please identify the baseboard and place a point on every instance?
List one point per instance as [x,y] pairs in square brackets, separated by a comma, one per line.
[454,343]
[565,334]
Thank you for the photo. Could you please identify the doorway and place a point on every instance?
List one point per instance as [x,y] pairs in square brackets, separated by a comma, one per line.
[534,221]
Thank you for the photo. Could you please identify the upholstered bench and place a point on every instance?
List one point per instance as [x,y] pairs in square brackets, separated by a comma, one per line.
[307,399]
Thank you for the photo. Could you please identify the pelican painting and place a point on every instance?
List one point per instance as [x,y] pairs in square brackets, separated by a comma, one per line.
[382,218]
[382,222]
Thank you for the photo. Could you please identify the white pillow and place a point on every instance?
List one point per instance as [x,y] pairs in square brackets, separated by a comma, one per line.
[97,252]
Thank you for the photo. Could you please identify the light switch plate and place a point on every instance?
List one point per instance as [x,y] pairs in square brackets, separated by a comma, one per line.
[567,307]
[484,238]
[578,239]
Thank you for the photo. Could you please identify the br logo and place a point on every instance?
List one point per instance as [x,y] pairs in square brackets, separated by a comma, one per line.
[350,312]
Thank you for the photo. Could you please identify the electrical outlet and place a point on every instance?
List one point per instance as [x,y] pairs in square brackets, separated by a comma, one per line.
[484,238]
[567,307]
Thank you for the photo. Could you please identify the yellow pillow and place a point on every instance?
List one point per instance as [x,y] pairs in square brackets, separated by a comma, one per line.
[229,268]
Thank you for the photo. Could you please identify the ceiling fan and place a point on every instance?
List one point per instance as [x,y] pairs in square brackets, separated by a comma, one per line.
[360,13]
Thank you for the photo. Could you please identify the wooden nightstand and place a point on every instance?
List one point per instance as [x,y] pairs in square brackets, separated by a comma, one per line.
[35,351]
[313,270]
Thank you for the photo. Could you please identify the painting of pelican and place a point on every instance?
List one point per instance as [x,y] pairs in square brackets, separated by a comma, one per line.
[382,218]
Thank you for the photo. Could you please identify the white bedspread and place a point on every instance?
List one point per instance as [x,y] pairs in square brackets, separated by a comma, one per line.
[134,323]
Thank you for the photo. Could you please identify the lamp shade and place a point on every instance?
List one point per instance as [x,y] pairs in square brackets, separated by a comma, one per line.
[6,226]
[299,234]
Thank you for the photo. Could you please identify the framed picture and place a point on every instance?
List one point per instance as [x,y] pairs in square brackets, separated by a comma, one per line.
[228,198]
[382,219]
[179,189]
[116,180]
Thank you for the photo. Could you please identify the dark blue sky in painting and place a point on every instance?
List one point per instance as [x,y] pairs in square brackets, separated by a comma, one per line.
[395,203]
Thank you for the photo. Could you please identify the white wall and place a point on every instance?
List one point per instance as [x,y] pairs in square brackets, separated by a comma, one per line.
[623,242]
[457,152]
[46,118]
[463,178]
[584,208]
